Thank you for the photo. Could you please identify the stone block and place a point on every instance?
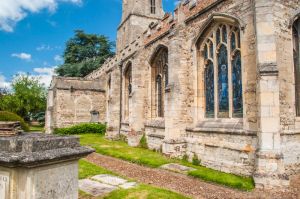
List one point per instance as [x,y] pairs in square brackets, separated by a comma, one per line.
[109,179]
[95,188]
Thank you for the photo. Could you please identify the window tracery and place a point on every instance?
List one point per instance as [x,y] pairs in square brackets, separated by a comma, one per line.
[223,73]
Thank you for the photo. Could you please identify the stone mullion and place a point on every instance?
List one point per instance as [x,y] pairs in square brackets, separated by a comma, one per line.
[215,76]
[230,89]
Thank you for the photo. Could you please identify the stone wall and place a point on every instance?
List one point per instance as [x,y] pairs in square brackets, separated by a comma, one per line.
[263,143]
[73,101]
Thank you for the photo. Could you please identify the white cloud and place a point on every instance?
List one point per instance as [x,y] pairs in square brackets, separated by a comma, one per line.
[3,82]
[13,11]
[58,59]
[44,74]
[43,47]
[23,56]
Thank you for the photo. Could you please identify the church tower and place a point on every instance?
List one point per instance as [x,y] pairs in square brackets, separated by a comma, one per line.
[136,16]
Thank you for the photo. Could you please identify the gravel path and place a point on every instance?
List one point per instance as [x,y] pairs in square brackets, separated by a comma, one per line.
[186,185]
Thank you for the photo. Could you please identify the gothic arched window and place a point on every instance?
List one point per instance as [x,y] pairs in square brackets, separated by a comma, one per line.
[223,73]
[160,81]
[128,89]
[152,6]
[296,51]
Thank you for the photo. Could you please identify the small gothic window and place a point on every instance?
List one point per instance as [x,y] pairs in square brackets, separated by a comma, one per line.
[160,80]
[218,61]
[296,52]
[153,6]
[128,89]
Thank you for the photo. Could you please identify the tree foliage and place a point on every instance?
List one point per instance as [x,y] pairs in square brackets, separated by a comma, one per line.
[84,53]
[27,98]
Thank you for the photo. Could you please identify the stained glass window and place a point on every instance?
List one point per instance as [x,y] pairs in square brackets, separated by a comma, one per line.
[217,63]
[237,85]
[209,89]
[223,82]
[296,52]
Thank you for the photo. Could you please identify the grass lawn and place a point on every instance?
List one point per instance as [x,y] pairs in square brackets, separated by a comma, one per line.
[87,170]
[119,149]
[36,129]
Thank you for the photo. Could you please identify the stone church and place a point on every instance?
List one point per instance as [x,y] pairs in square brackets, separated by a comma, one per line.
[215,79]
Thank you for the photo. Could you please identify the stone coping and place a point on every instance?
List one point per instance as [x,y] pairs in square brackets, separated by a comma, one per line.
[34,149]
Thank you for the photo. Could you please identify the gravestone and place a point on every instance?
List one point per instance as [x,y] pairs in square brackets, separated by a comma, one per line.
[37,166]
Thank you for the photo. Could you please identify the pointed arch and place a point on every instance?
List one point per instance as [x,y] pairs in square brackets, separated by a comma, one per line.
[214,19]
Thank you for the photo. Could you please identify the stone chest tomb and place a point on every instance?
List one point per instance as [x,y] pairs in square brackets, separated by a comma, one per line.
[38,166]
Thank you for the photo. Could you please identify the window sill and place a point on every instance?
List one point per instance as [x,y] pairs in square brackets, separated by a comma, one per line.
[222,126]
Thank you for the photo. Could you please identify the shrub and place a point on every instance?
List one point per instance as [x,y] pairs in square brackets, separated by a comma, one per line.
[12,117]
[143,142]
[82,129]
[196,160]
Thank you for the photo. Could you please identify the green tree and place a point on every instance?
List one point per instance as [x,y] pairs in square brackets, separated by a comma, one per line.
[85,53]
[28,97]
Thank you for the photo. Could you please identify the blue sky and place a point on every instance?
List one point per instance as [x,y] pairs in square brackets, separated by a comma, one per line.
[33,32]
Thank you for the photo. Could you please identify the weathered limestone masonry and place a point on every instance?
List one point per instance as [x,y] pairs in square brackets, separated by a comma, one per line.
[217,80]
[73,101]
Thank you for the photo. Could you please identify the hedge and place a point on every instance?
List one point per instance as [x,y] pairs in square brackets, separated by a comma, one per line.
[6,116]
[82,129]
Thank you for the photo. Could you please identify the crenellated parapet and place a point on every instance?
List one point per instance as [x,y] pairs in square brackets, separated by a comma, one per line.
[185,11]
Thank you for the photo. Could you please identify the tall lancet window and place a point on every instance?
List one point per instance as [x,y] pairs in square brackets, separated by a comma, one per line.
[296,51]
[128,89]
[153,6]
[223,73]
[159,81]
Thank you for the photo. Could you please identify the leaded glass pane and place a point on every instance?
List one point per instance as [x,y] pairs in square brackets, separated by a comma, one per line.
[239,39]
[223,82]
[218,35]
[224,34]
[211,49]
[209,90]
[159,96]
[205,52]
[237,86]
[166,74]
[233,42]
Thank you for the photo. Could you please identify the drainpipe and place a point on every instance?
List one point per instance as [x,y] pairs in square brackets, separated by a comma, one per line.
[121,94]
